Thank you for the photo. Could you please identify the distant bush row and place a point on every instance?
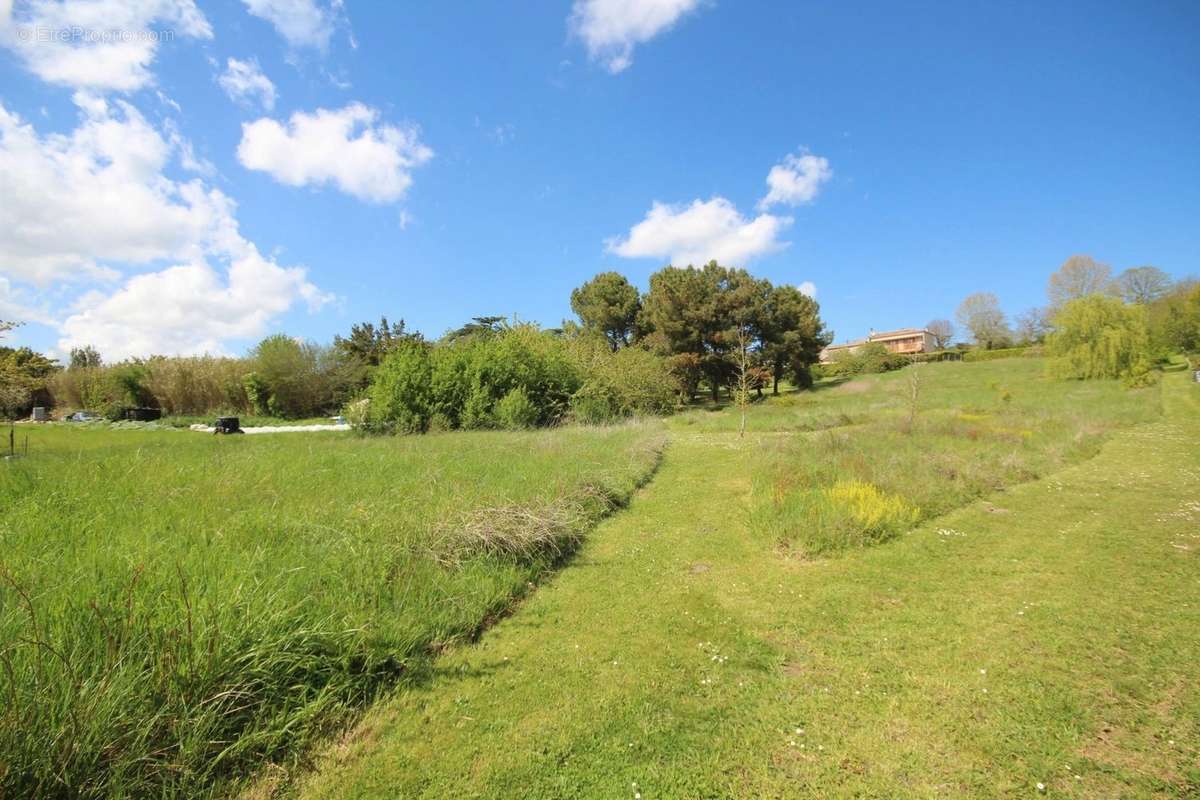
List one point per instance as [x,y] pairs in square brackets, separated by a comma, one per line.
[280,377]
[515,377]
[871,358]
[992,355]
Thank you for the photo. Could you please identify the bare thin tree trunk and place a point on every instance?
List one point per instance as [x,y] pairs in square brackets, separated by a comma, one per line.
[743,389]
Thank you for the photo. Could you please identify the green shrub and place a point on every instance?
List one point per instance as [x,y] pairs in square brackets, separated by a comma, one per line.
[875,358]
[1175,320]
[593,405]
[870,358]
[515,411]
[629,382]
[992,355]
[302,379]
[477,411]
[400,389]
[463,381]
[257,393]
[25,380]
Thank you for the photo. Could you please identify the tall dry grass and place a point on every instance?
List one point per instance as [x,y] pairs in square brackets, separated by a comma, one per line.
[198,385]
[177,385]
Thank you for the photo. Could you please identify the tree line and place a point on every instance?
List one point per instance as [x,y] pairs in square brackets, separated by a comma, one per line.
[696,318]
[1094,324]
[713,329]
[626,353]
[1165,300]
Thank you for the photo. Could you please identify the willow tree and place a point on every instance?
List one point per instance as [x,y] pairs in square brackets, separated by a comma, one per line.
[1100,337]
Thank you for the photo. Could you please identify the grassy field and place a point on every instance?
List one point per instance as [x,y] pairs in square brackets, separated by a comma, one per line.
[180,613]
[1042,640]
[972,431]
[177,610]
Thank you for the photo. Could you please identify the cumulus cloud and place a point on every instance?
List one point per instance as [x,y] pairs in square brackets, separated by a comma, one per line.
[809,289]
[702,232]
[796,180]
[245,82]
[82,210]
[72,202]
[302,23]
[611,28]
[348,148]
[188,309]
[102,45]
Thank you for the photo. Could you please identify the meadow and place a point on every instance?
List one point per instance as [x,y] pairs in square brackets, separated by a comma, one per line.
[177,610]
[963,578]
[1040,640]
[914,444]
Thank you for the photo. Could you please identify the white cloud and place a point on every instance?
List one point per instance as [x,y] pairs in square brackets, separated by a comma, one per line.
[347,147]
[245,82]
[796,180]
[701,232]
[187,154]
[611,28]
[302,23]
[102,45]
[98,194]
[188,309]
[82,209]
[809,289]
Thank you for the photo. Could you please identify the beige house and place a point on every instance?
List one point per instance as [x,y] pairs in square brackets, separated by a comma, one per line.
[905,340]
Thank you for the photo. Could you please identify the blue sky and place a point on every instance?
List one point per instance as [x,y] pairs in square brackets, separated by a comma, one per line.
[437,161]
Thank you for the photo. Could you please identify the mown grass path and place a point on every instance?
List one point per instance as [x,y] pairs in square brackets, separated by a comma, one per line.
[1050,635]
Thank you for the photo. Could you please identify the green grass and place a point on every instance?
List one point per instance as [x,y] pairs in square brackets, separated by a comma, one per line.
[177,610]
[977,429]
[1049,634]
[950,386]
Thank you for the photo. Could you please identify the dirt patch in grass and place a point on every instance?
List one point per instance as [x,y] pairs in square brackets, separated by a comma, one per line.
[1137,750]
[1114,747]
